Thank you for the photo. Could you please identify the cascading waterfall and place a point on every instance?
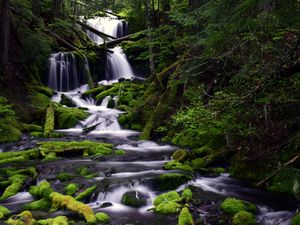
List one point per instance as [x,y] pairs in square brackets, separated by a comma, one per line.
[117,63]
[65,73]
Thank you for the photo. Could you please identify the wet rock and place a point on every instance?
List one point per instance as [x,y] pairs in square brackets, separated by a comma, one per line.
[171,181]
[66,101]
[121,80]
[106,204]
[134,198]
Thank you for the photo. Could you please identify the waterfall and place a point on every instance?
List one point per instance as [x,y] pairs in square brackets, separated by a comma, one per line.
[117,63]
[66,72]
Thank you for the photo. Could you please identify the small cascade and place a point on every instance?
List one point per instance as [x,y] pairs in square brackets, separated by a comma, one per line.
[117,63]
[66,72]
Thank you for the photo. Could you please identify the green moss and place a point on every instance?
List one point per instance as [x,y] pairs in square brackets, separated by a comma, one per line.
[133,198]
[42,204]
[60,220]
[86,193]
[49,124]
[296,219]
[30,127]
[83,171]
[168,208]
[71,189]
[102,217]
[198,163]
[96,91]
[120,152]
[174,165]
[181,155]
[171,181]
[185,217]
[51,156]
[43,190]
[167,197]
[113,91]
[243,218]
[233,206]
[124,108]
[64,177]
[41,89]
[16,183]
[40,100]
[187,194]
[85,148]
[9,133]
[6,157]
[68,117]
[37,134]
[66,101]
[24,218]
[68,202]
[3,212]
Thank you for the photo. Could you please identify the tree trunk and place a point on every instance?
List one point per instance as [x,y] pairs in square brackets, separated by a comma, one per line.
[5,29]
[150,48]
[36,7]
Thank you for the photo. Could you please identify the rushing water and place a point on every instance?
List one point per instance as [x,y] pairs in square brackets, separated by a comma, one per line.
[142,162]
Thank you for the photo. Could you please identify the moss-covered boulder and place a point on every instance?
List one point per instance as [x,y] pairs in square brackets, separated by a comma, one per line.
[185,217]
[296,219]
[181,155]
[8,132]
[171,181]
[198,163]
[67,101]
[60,220]
[102,217]
[68,117]
[232,206]
[16,183]
[134,198]
[243,218]
[174,165]
[86,193]
[167,197]
[187,194]
[4,212]
[71,189]
[42,204]
[24,218]
[168,208]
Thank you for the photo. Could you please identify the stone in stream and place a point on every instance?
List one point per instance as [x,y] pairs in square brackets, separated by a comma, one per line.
[134,198]
[106,204]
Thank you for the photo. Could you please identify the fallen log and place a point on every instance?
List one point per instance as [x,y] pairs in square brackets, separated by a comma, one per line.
[99,33]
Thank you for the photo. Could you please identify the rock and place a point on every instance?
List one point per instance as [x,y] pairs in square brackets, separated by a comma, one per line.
[66,101]
[181,155]
[111,103]
[134,198]
[171,181]
[121,80]
[106,204]
[243,218]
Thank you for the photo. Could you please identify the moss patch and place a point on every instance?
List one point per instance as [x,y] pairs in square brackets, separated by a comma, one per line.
[171,181]
[243,218]
[102,217]
[49,124]
[185,217]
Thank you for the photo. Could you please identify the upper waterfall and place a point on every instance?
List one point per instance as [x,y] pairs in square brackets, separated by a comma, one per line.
[117,64]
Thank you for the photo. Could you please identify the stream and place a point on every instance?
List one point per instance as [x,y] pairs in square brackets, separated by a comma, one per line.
[142,162]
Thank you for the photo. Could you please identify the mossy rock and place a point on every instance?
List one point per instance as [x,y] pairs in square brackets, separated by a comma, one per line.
[71,189]
[174,165]
[102,217]
[9,133]
[171,181]
[4,212]
[232,206]
[111,103]
[64,177]
[187,194]
[185,217]
[24,218]
[42,204]
[243,218]
[30,127]
[168,208]
[120,152]
[134,198]
[41,89]
[40,100]
[124,108]
[171,196]
[37,134]
[96,91]
[60,220]
[68,117]
[181,155]
[43,190]
[296,219]
[86,193]
[50,156]
[198,163]
[16,184]
[66,101]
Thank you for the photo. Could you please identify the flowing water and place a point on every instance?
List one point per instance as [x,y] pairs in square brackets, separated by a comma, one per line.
[136,170]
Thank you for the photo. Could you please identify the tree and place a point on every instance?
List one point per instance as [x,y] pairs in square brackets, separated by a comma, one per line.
[5,29]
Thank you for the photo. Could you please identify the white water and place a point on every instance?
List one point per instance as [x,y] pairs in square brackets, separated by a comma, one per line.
[64,74]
